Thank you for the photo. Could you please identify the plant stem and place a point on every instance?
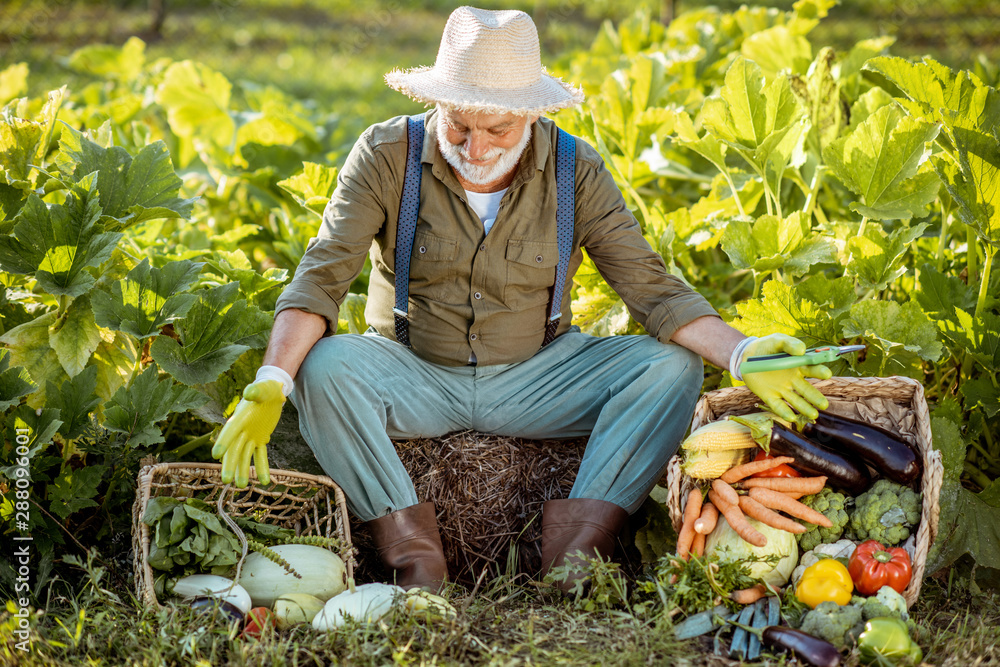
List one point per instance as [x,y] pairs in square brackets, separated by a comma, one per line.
[984,282]
[192,445]
[971,255]
[736,195]
[977,475]
[813,195]
[861,229]
[943,239]
[758,280]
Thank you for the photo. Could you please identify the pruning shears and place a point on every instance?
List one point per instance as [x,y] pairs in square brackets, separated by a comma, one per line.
[815,355]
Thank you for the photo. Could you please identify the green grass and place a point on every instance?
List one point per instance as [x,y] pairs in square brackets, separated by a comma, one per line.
[506,622]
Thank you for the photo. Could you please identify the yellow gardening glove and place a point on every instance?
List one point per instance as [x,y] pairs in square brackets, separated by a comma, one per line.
[787,387]
[246,434]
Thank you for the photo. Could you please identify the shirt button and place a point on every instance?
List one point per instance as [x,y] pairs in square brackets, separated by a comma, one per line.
[478,295]
[538,259]
[482,248]
[473,336]
[422,249]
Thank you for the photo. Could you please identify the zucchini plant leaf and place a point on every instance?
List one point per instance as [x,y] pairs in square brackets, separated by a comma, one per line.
[980,393]
[131,189]
[777,49]
[772,243]
[894,328]
[111,62]
[969,524]
[939,294]
[880,162]
[782,310]
[55,243]
[14,382]
[135,410]
[979,336]
[352,313]
[216,331]
[30,349]
[819,93]
[75,399]
[13,82]
[974,180]
[147,299]
[196,98]
[74,489]
[312,187]
[236,267]
[876,258]
[74,336]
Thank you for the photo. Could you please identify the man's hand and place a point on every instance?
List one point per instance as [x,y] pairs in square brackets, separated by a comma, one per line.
[246,434]
[788,387]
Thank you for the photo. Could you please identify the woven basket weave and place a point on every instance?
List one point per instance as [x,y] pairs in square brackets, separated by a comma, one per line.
[904,392]
[306,504]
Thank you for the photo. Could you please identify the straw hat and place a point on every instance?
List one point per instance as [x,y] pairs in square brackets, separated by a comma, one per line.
[488,62]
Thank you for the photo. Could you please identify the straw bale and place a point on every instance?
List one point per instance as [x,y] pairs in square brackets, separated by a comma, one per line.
[488,491]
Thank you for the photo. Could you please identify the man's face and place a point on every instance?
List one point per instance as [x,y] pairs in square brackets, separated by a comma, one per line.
[482,148]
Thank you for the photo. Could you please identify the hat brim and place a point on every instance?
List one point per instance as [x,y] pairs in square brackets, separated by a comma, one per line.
[547,95]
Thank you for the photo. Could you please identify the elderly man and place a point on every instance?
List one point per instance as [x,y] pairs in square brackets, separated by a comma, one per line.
[475,217]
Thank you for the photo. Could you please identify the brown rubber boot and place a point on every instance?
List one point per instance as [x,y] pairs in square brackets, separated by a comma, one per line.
[578,524]
[409,544]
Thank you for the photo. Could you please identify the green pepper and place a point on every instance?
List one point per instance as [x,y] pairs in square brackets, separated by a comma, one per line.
[887,640]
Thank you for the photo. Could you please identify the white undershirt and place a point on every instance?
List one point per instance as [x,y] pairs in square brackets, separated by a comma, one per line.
[486,205]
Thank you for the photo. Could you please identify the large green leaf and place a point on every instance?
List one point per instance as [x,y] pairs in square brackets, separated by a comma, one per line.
[979,336]
[74,336]
[30,349]
[778,49]
[74,490]
[773,243]
[197,102]
[14,382]
[983,394]
[57,242]
[781,310]
[894,328]
[939,293]
[13,82]
[217,330]
[969,524]
[40,426]
[135,410]
[75,399]
[880,161]
[819,92]
[132,189]
[236,266]
[148,298]
[312,187]
[108,61]
[974,181]
[18,142]
[877,257]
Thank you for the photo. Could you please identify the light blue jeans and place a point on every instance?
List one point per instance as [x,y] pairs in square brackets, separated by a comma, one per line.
[633,396]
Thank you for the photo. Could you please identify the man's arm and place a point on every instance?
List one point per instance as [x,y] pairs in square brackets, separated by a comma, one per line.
[292,336]
[709,337]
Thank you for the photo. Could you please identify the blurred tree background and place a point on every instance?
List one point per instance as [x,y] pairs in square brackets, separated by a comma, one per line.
[335,51]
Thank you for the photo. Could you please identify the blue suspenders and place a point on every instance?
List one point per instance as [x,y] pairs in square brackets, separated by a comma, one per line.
[409,208]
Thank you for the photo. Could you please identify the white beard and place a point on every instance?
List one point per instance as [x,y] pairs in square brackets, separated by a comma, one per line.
[457,157]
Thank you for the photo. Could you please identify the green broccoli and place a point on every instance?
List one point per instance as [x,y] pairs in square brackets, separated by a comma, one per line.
[887,602]
[837,624]
[832,505]
[885,512]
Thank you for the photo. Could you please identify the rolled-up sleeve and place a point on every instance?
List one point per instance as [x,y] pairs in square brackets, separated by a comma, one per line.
[658,300]
[334,258]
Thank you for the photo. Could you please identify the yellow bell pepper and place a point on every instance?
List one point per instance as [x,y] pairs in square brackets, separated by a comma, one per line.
[827,579]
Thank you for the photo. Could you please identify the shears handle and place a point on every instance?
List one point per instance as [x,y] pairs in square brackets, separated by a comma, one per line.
[777,362]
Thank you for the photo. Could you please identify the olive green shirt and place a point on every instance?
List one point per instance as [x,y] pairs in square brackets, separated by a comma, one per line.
[471,292]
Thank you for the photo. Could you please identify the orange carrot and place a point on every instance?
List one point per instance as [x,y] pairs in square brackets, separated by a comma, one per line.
[755,510]
[691,513]
[779,501]
[725,492]
[806,485]
[749,595]
[706,522]
[737,473]
[698,546]
[736,519]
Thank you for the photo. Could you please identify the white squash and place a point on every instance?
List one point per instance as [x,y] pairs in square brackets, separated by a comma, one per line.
[295,608]
[322,574]
[210,585]
[367,603]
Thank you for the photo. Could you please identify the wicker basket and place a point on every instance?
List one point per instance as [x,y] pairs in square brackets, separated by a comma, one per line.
[307,504]
[903,392]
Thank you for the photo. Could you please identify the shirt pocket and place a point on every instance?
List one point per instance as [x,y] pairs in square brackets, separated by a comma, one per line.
[531,271]
[432,268]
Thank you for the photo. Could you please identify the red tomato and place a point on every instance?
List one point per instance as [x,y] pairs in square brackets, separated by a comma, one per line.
[784,470]
[259,620]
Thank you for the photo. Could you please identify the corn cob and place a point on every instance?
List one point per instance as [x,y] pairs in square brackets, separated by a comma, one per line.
[715,448]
